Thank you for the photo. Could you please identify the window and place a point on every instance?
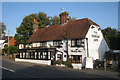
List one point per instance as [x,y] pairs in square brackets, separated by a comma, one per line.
[57,43]
[36,45]
[43,44]
[31,45]
[76,58]
[77,43]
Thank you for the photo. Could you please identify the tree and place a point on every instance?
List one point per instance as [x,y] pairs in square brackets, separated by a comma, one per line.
[12,49]
[72,19]
[2,28]
[112,37]
[25,30]
[109,55]
[55,20]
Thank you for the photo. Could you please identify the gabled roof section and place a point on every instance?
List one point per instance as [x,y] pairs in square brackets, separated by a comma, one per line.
[74,29]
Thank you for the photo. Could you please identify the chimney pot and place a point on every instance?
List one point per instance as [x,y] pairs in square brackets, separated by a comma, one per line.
[35,25]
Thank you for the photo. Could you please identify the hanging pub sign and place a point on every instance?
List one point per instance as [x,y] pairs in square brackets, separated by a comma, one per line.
[76,50]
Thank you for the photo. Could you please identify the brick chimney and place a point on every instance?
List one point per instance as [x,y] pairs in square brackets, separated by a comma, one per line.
[35,25]
[63,17]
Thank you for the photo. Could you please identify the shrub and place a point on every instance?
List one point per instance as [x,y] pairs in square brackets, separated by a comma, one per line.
[109,55]
[12,49]
[57,62]
[67,64]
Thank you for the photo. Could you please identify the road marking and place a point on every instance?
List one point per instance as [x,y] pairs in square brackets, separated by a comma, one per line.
[7,69]
[14,71]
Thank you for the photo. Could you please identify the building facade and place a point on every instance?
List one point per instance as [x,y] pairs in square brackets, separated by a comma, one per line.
[74,40]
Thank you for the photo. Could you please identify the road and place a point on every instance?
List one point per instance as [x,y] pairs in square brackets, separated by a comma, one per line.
[12,69]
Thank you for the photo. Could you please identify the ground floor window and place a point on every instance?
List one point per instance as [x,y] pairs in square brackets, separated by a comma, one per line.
[76,58]
[59,57]
[42,55]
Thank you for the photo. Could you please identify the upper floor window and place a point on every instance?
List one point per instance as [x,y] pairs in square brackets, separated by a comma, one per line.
[57,43]
[43,44]
[77,43]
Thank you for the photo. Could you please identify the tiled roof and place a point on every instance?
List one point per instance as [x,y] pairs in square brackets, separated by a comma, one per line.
[12,42]
[75,29]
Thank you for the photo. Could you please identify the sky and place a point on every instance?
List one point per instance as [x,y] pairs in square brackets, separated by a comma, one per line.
[104,14]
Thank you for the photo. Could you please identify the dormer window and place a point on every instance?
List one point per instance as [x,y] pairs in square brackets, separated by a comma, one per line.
[92,27]
[98,29]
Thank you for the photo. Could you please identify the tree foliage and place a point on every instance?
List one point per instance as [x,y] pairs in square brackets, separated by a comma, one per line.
[109,55]
[12,49]
[2,28]
[25,30]
[71,19]
[55,20]
[112,37]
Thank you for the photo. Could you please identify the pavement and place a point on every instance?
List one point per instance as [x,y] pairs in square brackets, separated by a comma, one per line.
[12,69]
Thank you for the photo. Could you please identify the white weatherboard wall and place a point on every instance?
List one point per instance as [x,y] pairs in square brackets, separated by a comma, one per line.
[98,48]
[77,66]
[47,62]
[36,44]
[2,44]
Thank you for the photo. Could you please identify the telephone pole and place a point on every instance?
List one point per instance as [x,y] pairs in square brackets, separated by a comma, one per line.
[8,46]
[8,39]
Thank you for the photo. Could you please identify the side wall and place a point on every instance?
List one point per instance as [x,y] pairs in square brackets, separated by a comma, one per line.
[97,45]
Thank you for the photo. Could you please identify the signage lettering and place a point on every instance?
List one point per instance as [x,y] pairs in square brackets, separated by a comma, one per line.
[96,36]
[76,50]
[31,50]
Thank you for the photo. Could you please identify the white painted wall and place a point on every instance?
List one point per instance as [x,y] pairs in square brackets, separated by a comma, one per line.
[1,44]
[77,66]
[36,44]
[47,62]
[98,48]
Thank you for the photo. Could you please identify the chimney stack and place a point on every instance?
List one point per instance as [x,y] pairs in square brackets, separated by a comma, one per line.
[35,25]
[63,17]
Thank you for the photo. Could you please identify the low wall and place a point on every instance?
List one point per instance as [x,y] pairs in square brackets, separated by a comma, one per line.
[77,66]
[47,62]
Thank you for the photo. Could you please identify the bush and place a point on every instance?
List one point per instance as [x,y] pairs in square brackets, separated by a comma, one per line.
[12,49]
[57,62]
[98,64]
[108,55]
[67,64]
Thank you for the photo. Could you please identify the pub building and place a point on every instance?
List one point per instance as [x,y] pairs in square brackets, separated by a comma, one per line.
[74,40]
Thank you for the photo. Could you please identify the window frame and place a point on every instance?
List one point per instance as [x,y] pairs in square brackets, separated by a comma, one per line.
[57,43]
[43,44]
[77,42]
[76,58]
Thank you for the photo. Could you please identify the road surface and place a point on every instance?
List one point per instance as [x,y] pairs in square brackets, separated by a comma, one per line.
[12,69]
